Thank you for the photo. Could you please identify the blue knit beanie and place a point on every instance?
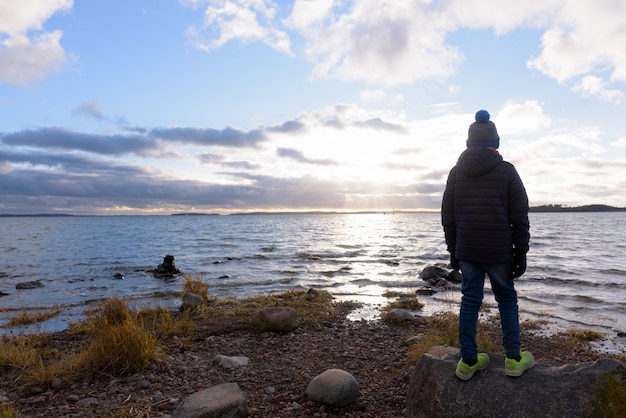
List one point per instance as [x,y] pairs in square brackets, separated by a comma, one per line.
[483,132]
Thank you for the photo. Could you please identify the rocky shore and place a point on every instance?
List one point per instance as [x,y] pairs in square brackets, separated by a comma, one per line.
[275,379]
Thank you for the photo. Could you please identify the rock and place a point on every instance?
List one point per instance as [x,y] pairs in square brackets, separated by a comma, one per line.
[230,362]
[4,293]
[276,319]
[87,402]
[224,400]
[433,273]
[119,276]
[400,315]
[454,276]
[73,398]
[425,291]
[334,387]
[29,285]
[577,390]
[191,300]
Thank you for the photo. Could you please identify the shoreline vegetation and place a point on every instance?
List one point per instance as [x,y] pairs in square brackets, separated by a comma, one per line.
[539,208]
[124,363]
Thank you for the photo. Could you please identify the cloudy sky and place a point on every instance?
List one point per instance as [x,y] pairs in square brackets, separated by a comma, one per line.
[164,106]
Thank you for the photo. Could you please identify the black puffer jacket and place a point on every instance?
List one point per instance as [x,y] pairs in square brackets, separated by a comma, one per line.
[484,211]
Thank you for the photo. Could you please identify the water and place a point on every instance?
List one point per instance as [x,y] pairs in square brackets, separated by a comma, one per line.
[575,279]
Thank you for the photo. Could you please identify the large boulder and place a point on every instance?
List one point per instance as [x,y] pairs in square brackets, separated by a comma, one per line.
[225,400]
[595,389]
[276,319]
[334,387]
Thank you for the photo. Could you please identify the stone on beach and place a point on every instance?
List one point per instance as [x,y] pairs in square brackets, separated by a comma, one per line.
[223,400]
[230,362]
[574,390]
[191,300]
[334,387]
[400,315]
[276,319]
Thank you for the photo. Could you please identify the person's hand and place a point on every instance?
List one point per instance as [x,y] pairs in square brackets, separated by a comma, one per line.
[519,264]
[454,263]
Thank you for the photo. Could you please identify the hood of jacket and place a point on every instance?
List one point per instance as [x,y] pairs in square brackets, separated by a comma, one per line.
[476,161]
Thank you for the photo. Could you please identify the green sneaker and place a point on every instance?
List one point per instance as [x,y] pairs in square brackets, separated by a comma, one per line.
[465,372]
[515,368]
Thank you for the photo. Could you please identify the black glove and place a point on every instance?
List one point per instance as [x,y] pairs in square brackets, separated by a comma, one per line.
[454,263]
[519,264]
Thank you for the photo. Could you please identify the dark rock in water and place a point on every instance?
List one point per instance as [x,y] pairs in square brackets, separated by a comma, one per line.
[4,293]
[30,285]
[425,291]
[167,269]
[119,276]
[432,273]
[439,277]
[454,276]
[575,390]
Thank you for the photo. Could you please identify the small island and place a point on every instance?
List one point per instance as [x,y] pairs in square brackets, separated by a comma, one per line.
[584,208]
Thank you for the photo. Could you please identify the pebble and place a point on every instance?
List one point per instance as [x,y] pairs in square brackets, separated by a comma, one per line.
[72,398]
[87,402]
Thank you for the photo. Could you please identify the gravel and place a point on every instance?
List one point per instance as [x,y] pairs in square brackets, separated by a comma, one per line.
[275,379]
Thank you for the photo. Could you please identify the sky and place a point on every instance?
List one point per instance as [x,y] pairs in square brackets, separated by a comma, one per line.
[148,107]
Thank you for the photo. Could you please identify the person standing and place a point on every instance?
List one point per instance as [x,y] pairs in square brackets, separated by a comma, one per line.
[484,213]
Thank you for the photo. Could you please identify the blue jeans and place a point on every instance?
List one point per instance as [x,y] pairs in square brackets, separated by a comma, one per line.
[504,290]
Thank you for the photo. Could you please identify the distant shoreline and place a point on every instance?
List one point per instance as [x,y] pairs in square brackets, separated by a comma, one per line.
[540,208]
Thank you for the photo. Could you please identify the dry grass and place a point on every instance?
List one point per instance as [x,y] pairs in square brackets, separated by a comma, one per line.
[164,324]
[534,324]
[7,411]
[578,339]
[197,287]
[25,318]
[118,350]
[313,306]
[119,343]
[410,303]
[444,330]
[115,341]
[23,359]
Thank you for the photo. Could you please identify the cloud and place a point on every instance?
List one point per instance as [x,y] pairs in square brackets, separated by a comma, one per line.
[93,109]
[298,156]
[240,20]
[62,139]
[585,40]
[593,86]
[379,42]
[227,137]
[372,96]
[381,125]
[289,127]
[27,52]
[521,118]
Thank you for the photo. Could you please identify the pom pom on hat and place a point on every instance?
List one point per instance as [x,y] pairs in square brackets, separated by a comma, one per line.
[483,132]
[482,116]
